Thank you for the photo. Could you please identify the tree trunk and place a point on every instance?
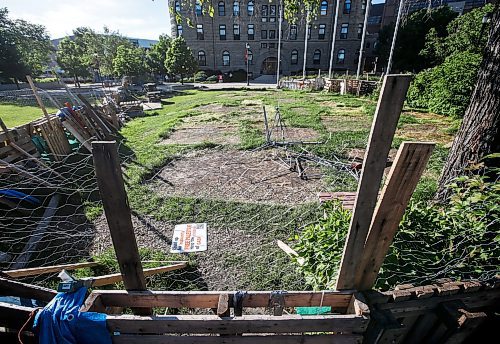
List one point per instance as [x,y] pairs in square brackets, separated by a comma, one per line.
[479,134]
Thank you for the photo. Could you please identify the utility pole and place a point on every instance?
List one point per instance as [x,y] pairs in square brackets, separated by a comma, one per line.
[334,37]
[362,48]
[394,37]
[280,21]
[305,45]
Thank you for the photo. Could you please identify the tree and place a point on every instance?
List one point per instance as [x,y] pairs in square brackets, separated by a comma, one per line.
[157,55]
[24,47]
[479,133]
[179,59]
[412,37]
[70,56]
[128,61]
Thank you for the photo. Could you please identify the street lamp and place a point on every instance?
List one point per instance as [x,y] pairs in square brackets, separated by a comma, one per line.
[247,47]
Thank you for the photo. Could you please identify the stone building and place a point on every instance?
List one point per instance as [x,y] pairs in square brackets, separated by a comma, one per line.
[219,40]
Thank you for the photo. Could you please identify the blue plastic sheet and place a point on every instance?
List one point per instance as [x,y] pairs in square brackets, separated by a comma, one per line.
[61,322]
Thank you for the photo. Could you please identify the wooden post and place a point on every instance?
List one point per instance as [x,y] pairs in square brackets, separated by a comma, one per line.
[37,96]
[115,203]
[384,125]
[405,173]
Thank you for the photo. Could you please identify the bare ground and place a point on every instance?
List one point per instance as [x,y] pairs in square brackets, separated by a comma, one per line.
[258,176]
[220,134]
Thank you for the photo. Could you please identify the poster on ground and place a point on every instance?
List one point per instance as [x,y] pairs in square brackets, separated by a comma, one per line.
[189,237]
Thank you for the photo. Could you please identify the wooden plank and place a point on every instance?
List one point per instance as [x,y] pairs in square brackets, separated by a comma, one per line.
[116,208]
[288,250]
[244,324]
[115,278]
[47,269]
[24,258]
[14,288]
[386,117]
[14,316]
[92,113]
[338,300]
[264,339]
[38,99]
[27,174]
[77,135]
[410,163]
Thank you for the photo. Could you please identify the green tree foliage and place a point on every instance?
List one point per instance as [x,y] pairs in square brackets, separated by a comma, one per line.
[128,61]
[24,47]
[459,240]
[179,59]
[446,88]
[412,37]
[156,56]
[70,57]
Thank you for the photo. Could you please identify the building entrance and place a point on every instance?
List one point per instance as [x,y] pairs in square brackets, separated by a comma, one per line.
[269,66]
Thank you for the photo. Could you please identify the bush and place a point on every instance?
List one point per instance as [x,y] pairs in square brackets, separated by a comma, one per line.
[236,76]
[447,88]
[200,76]
[459,240]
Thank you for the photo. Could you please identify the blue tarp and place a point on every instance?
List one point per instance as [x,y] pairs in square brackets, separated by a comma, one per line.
[61,322]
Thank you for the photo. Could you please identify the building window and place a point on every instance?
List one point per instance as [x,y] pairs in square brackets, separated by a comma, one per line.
[222,8]
[177,7]
[295,57]
[236,8]
[250,8]
[323,8]
[344,29]
[236,32]
[249,56]
[226,58]
[198,8]
[199,32]
[179,30]
[317,56]
[272,34]
[272,10]
[251,32]
[321,31]
[272,45]
[309,31]
[360,31]
[363,6]
[264,11]
[272,19]
[222,32]
[263,45]
[293,32]
[341,56]
[202,58]
[263,34]
[347,6]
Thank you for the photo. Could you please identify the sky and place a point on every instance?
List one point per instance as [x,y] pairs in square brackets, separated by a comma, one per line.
[132,18]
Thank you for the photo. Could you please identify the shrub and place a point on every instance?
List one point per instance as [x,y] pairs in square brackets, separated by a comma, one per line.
[446,89]
[200,76]
[212,78]
[459,240]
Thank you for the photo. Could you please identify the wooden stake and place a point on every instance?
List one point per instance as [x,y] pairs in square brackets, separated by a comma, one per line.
[38,99]
[405,173]
[47,269]
[384,125]
[115,203]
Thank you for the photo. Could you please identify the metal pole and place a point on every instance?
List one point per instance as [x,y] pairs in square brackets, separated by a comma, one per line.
[361,50]
[305,46]
[280,20]
[394,37]
[334,37]
[248,62]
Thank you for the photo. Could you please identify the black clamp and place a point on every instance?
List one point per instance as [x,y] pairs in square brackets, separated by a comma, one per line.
[238,298]
[277,301]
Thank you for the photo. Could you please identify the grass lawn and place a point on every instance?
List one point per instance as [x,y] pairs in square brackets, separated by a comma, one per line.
[14,115]
[249,258]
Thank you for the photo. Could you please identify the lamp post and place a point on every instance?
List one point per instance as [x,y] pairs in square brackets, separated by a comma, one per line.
[247,47]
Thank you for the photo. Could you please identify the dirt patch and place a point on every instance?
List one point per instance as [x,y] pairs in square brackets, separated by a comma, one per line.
[215,108]
[219,134]
[346,123]
[359,153]
[424,132]
[294,134]
[258,176]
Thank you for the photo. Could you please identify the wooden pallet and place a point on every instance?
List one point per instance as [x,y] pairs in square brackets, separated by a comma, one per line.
[53,133]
